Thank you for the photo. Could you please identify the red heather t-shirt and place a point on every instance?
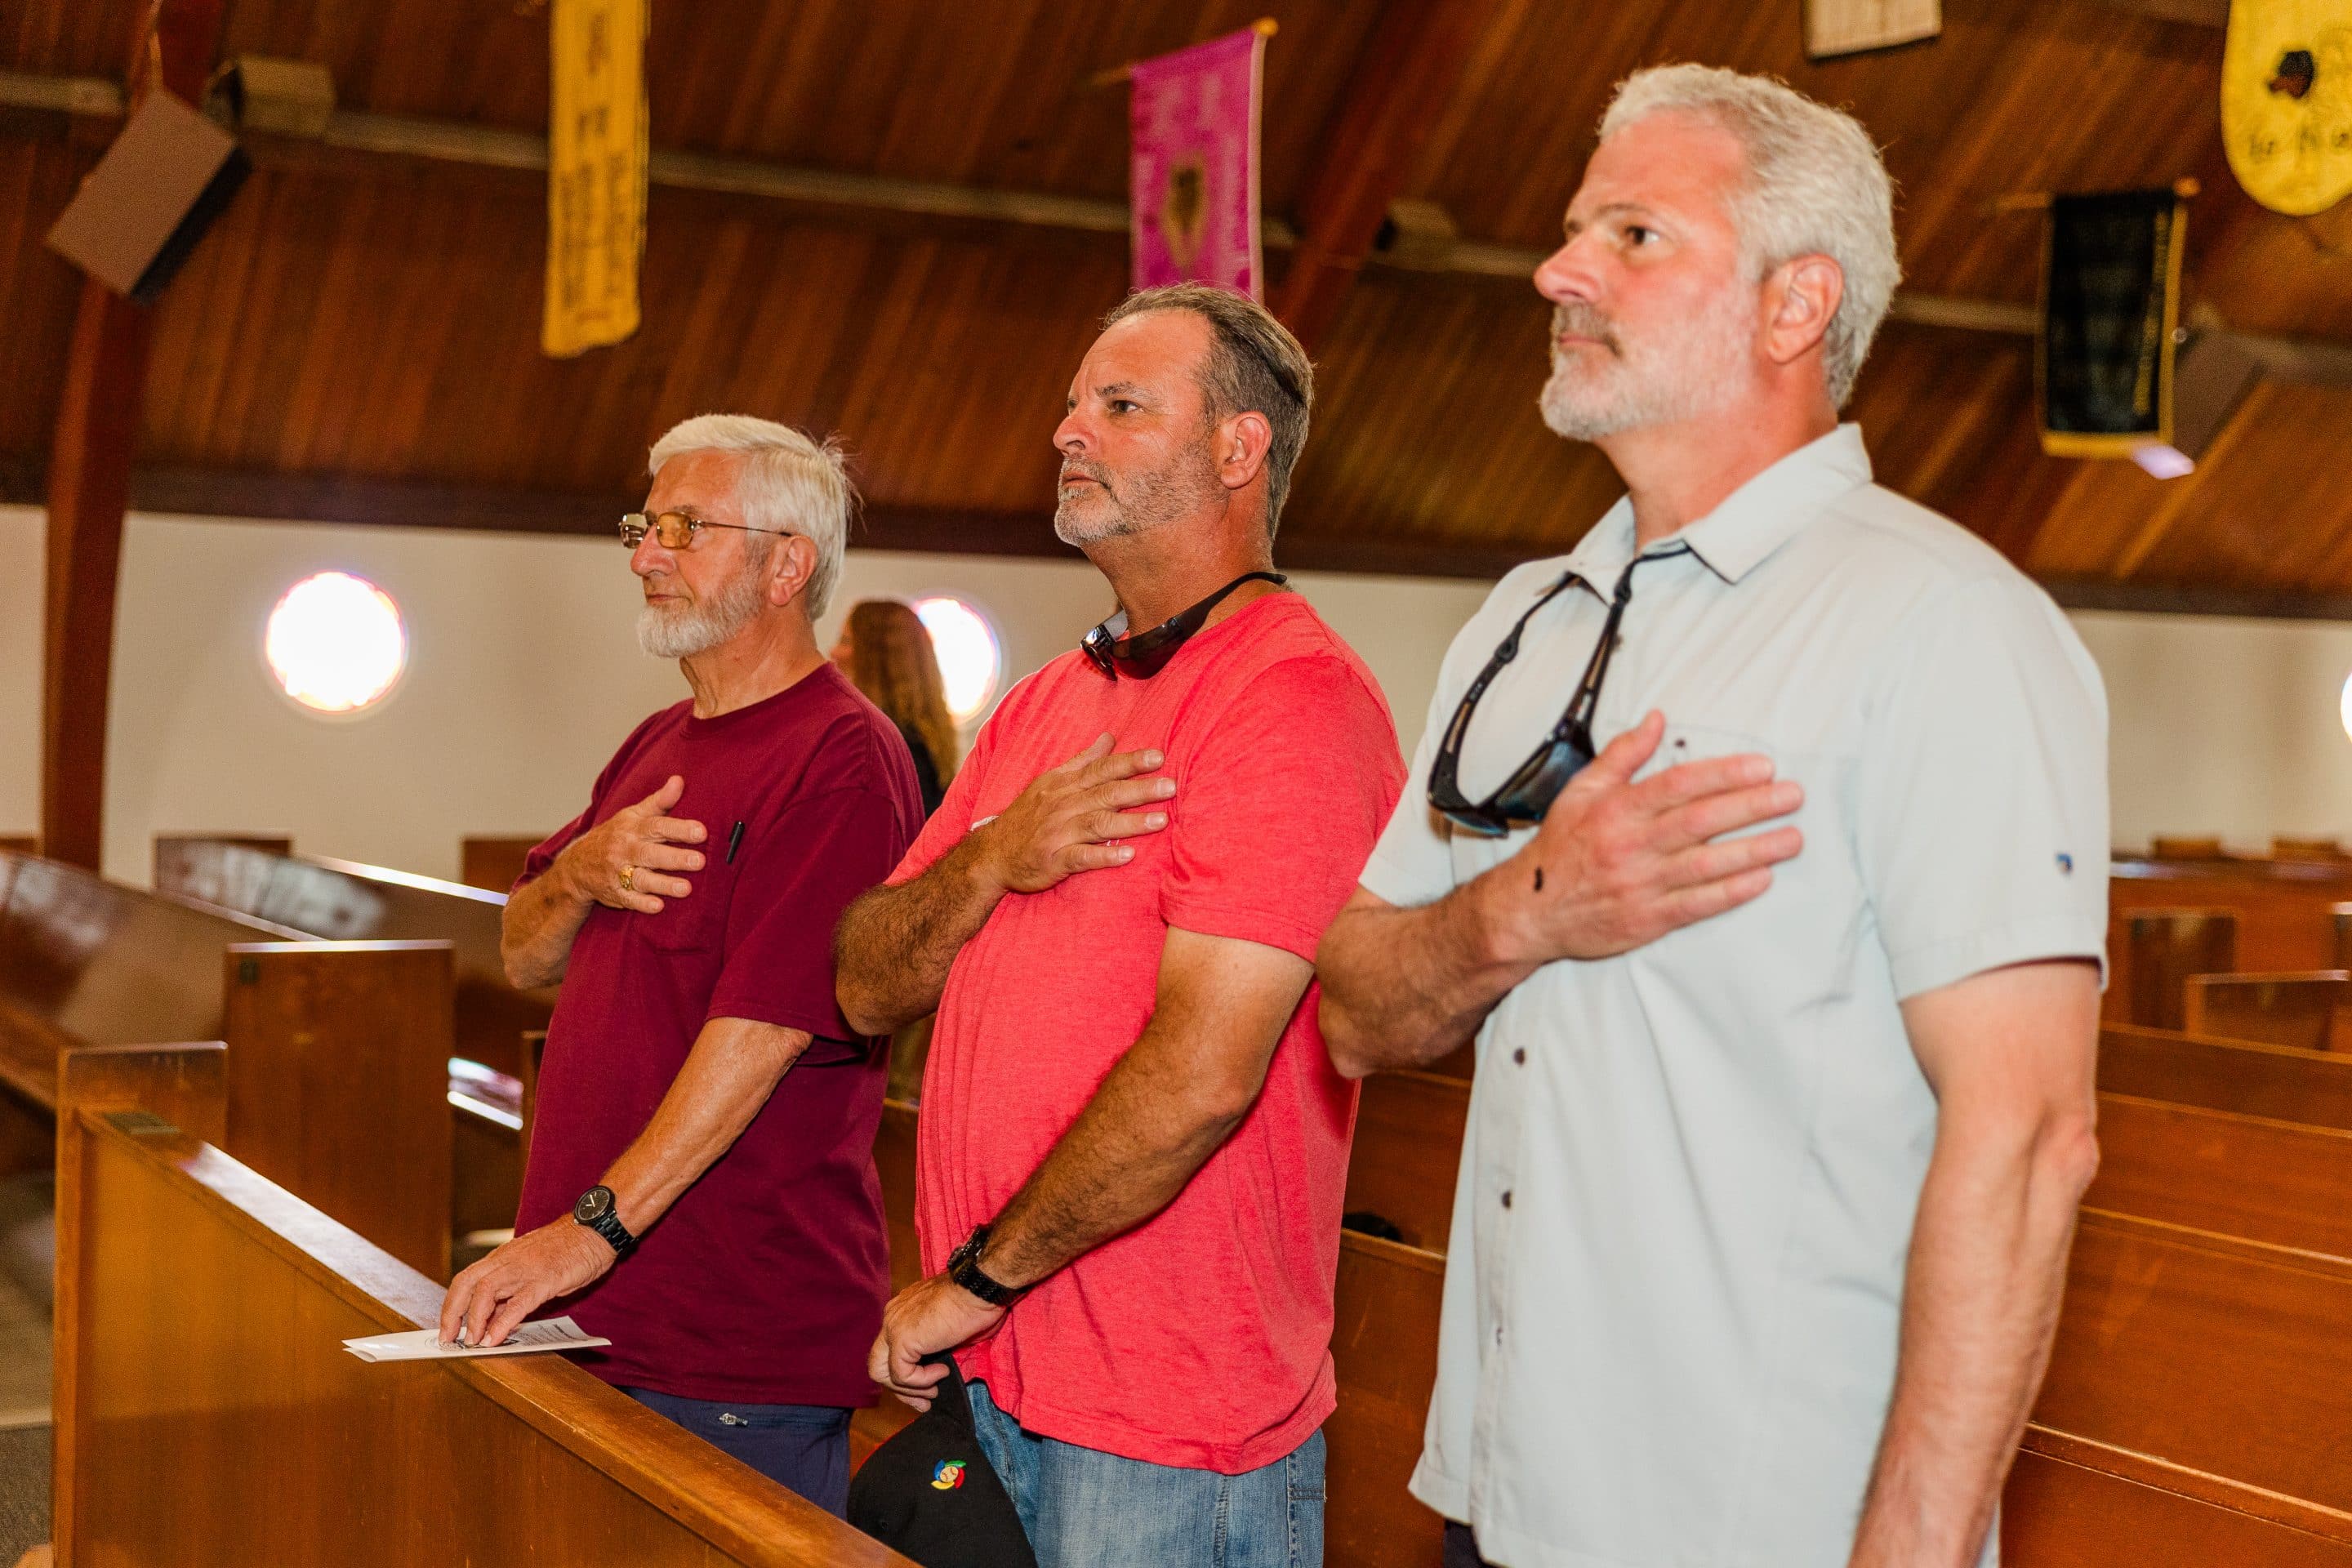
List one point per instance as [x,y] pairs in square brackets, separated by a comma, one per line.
[1202,1337]
[764,1282]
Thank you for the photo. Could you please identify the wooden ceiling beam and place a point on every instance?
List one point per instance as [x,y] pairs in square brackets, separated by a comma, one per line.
[1402,83]
[171,47]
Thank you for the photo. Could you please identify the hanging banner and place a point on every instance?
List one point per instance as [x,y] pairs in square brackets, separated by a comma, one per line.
[2287,102]
[597,149]
[1192,169]
[2110,301]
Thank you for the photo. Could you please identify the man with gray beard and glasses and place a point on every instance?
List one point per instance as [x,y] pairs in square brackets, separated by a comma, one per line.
[701,1185]
[1760,843]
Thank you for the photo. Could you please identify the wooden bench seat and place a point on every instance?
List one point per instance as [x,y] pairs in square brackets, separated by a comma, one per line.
[207,1413]
[2279,1082]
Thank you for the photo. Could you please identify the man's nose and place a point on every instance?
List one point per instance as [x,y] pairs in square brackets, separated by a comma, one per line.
[1073,436]
[651,556]
[1567,274]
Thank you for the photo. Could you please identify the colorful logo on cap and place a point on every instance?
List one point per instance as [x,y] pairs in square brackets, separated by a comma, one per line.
[949,1476]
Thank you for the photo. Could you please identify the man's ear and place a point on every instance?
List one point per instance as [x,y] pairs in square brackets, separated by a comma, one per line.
[1240,446]
[790,566]
[1803,296]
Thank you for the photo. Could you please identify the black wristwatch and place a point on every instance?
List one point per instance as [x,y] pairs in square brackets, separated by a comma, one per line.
[963,1267]
[595,1210]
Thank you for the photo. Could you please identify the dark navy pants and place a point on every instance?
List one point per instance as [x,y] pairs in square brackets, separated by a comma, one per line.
[802,1447]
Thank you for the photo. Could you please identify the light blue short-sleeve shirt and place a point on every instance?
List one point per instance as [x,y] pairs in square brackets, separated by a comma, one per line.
[1688,1182]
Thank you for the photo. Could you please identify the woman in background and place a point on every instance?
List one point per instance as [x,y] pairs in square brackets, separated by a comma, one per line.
[887,653]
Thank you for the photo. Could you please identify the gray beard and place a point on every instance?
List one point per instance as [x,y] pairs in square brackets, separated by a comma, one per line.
[1692,378]
[698,627]
[1148,501]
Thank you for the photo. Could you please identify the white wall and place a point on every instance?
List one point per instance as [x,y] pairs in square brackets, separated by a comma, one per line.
[524,675]
[2224,726]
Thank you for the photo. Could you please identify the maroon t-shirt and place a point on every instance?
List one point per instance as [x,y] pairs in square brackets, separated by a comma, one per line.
[764,1282]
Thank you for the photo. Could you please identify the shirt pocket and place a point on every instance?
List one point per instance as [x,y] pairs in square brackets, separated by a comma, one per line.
[698,922]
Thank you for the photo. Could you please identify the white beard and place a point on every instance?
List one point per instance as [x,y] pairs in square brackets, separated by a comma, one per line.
[687,630]
[1695,372]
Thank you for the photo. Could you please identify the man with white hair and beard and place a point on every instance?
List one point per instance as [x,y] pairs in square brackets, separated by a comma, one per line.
[1785,997]
[1133,1143]
[701,1185]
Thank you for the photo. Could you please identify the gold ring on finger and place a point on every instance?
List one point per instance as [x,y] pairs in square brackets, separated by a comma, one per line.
[628,879]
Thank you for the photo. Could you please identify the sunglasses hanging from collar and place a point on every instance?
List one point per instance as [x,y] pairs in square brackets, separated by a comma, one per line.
[1146,654]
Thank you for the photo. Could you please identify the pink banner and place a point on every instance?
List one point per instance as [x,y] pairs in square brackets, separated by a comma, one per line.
[1193,172]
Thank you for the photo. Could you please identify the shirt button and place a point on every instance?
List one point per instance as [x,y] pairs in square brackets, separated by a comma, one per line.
[1498,1333]
[1506,1198]
[1520,1056]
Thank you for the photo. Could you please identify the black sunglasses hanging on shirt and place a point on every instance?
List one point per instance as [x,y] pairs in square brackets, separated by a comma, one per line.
[1146,654]
[1524,797]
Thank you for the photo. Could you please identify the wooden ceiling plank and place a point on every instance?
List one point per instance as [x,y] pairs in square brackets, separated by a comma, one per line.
[89,466]
[1409,72]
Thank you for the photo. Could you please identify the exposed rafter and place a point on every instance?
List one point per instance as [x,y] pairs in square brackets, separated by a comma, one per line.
[1407,75]
[171,50]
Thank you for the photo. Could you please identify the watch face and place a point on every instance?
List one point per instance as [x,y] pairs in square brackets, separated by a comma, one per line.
[594,1204]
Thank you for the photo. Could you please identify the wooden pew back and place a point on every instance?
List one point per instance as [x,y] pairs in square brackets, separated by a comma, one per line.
[2285,1182]
[2158,949]
[344,900]
[1408,1151]
[494,864]
[86,960]
[337,1084]
[2282,907]
[2296,1009]
[214,1417]
[2279,1082]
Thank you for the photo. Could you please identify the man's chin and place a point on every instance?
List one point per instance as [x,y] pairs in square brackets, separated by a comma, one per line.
[1079,525]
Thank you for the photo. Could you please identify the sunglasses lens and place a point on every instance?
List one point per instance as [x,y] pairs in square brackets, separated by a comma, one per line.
[1527,797]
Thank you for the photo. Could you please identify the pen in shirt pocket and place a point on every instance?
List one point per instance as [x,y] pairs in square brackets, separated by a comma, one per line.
[734,842]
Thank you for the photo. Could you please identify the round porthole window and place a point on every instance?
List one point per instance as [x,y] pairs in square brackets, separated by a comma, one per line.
[335,643]
[971,659]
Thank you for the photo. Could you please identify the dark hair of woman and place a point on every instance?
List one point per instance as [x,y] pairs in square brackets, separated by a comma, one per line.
[891,659]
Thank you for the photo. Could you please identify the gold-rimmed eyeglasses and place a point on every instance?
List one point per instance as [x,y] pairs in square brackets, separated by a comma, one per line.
[676,530]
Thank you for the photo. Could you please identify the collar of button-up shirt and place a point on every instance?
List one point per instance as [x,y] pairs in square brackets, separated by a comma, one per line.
[1747,526]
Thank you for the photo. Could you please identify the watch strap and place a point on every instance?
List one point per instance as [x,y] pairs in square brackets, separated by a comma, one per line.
[963,1267]
[608,1226]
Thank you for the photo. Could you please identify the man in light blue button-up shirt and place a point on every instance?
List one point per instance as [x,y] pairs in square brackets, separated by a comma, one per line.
[1786,1002]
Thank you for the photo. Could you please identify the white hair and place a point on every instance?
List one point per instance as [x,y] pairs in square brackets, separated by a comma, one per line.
[1815,186]
[788,482]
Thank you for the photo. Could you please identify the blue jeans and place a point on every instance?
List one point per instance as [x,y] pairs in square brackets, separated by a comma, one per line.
[1084,1508]
[802,1447]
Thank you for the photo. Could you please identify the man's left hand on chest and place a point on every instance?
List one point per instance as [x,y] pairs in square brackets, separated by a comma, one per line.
[487,1301]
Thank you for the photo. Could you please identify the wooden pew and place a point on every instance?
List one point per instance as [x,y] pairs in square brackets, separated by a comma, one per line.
[492,864]
[2155,952]
[344,900]
[1385,1347]
[1408,1151]
[338,1068]
[2282,906]
[2303,1010]
[83,962]
[2285,1182]
[2204,1368]
[207,1414]
[2277,1082]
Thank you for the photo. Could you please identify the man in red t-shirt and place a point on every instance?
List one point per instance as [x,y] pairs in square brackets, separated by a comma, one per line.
[1133,1145]
[698,1073]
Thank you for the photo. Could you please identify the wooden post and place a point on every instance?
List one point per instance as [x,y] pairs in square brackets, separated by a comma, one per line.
[172,46]
[1400,88]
